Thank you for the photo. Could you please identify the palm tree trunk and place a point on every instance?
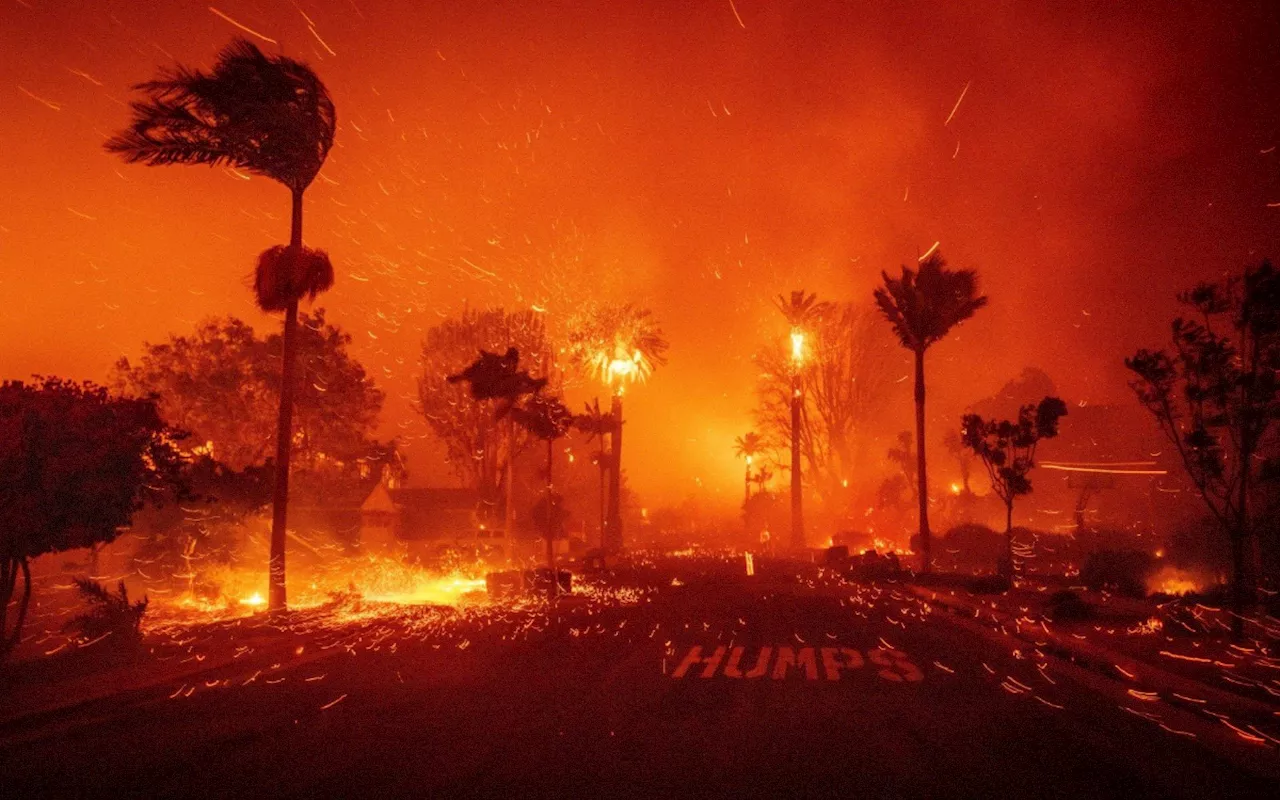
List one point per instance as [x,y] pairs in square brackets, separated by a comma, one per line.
[613,539]
[551,528]
[277,600]
[797,511]
[926,546]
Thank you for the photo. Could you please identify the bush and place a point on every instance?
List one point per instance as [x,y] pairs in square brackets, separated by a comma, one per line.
[1122,571]
[1067,606]
[969,547]
[109,613]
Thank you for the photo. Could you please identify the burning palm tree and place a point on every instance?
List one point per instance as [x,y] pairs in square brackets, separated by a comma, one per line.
[802,311]
[271,116]
[923,306]
[747,447]
[617,345]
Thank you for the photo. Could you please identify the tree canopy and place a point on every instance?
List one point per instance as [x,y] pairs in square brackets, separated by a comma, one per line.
[475,447]
[270,115]
[926,303]
[75,464]
[222,383]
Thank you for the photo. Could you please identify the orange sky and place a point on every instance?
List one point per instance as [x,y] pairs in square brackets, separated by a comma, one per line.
[531,153]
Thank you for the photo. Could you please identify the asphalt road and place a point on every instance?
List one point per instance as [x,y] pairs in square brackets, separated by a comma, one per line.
[585,701]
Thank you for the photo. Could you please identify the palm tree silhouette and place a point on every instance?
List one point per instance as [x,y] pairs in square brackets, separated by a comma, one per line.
[801,311]
[747,447]
[923,306]
[271,116]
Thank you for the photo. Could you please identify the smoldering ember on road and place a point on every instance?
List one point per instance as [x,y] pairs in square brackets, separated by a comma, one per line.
[944,340]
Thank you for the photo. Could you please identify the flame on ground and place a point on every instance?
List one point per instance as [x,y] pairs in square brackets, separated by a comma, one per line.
[1174,581]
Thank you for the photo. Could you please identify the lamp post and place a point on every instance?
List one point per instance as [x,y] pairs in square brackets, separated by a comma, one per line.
[797,397]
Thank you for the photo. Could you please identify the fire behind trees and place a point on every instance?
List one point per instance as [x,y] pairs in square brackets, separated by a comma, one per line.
[1217,397]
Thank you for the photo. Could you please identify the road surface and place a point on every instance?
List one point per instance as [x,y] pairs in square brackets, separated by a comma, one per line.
[876,695]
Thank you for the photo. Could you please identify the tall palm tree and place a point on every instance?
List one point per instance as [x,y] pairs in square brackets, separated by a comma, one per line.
[747,447]
[801,310]
[271,116]
[923,306]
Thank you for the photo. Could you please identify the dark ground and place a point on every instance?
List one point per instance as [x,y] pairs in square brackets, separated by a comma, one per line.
[581,703]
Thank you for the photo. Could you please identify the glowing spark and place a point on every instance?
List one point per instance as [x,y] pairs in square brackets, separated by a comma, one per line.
[322,42]
[247,30]
[40,100]
[956,107]
[333,703]
[1103,469]
[928,252]
[736,15]
[84,75]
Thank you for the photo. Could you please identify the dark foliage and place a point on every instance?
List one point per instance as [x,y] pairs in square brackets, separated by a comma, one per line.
[75,464]
[1007,449]
[110,613]
[269,115]
[1068,606]
[286,274]
[1216,397]
[926,303]
[1124,572]
[464,413]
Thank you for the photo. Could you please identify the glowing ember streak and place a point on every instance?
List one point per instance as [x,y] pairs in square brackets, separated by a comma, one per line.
[247,30]
[1104,470]
[956,107]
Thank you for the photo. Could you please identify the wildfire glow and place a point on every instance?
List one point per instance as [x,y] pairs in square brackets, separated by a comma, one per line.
[797,346]
[620,368]
[1173,581]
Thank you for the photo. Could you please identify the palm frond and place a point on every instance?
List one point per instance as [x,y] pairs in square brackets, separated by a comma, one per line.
[286,274]
[924,305]
[269,115]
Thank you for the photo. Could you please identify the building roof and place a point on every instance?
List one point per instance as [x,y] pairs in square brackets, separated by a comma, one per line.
[432,500]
